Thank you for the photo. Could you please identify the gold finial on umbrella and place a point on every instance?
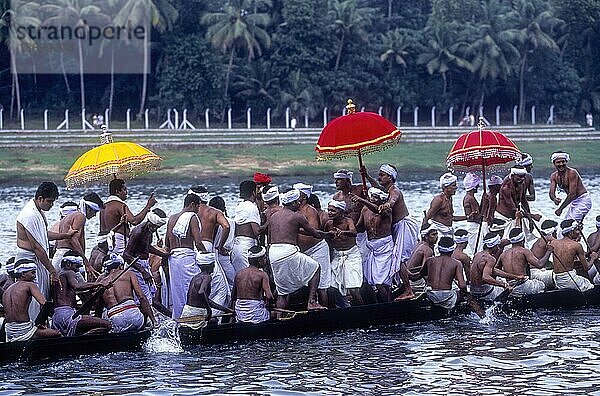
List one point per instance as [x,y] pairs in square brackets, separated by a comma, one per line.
[350,107]
[481,124]
[106,136]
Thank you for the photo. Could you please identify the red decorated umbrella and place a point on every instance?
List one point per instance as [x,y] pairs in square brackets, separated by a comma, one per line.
[355,134]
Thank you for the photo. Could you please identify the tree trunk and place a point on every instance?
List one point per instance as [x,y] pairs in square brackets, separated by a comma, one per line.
[81,79]
[522,87]
[228,73]
[390,8]
[144,78]
[112,82]
[445,84]
[339,54]
[16,86]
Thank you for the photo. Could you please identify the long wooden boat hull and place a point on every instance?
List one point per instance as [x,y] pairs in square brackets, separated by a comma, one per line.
[555,299]
[56,348]
[311,322]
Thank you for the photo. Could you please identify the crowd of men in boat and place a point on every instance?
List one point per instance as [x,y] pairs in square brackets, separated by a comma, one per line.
[364,248]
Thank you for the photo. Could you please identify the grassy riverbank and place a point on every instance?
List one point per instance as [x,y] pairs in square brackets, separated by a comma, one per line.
[32,165]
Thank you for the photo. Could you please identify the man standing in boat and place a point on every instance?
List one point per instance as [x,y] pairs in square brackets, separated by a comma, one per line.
[252,288]
[116,217]
[513,199]
[291,269]
[210,218]
[578,201]
[489,201]
[548,230]
[247,225]
[183,234]
[517,259]
[527,163]
[422,252]
[484,285]
[566,250]
[16,301]
[472,210]
[405,229]
[441,212]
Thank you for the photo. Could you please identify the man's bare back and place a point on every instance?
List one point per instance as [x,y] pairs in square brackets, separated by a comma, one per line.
[442,271]
[252,284]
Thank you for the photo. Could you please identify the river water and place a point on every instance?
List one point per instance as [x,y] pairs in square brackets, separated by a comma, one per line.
[536,353]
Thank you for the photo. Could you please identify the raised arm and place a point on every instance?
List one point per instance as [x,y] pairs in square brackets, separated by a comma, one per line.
[222,221]
[532,260]
[138,218]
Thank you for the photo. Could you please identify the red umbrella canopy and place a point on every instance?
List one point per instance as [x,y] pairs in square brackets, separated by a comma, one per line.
[476,149]
[354,134]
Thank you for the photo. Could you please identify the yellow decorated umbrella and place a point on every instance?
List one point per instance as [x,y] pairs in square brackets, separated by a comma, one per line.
[123,160]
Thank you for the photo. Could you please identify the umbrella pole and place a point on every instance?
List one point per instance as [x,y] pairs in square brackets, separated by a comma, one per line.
[364,179]
[482,219]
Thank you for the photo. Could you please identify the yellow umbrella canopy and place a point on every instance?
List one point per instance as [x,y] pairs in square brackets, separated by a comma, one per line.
[123,160]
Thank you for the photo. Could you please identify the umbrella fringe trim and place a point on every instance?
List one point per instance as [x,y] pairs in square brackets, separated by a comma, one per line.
[354,152]
[114,163]
[505,153]
[128,169]
[394,135]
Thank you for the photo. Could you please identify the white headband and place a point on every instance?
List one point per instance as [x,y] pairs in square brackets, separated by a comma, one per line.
[495,181]
[114,261]
[204,196]
[377,192]
[517,238]
[491,242]
[68,209]
[447,179]
[427,230]
[303,188]
[93,205]
[25,267]
[73,259]
[526,161]
[262,252]
[388,169]
[337,204]
[565,231]
[270,194]
[549,230]
[156,219]
[289,197]
[518,171]
[205,258]
[559,155]
[498,227]
[448,249]
[342,175]
[598,224]
[471,181]
[10,267]
[461,239]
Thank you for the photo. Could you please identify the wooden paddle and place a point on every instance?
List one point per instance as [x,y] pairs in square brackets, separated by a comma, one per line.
[89,303]
[200,318]
[45,312]
[506,292]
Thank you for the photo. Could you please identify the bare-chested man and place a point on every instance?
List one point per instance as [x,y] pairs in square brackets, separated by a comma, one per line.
[378,269]
[315,248]
[116,217]
[198,304]
[517,259]
[9,278]
[578,201]
[513,199]
[473,211]
[247,225]
[16,300]
[346,263]
[252,288]
[314,201]
[89,205]
[441,211]
[65,300]
[593,239]
[527,163]
[123,312]
[183,234]
[422,252]
[441,272]
[548,230]
[292,269]
[270,196]
[484,285]
[210,218]
[261,180]
[225,260]
[405,229]
[461,239]
[566,250]
[140,246]
[490,199]
[33,237]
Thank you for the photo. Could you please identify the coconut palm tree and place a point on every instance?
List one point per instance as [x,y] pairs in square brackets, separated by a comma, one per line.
[395,44]
[257,83]
[234,28]
[349,21]
[299,95]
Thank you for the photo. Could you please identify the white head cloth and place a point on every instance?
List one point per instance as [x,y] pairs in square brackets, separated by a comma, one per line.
[388,169]
[471,181]
[526,160]
[498,225]
[518,171]
[270,194]
[341,205]
[427,230]
[156,219]
[495,181]
[597,224]
[548,230]
[204,196]
[290,196]
[205,258]
[93,205]
[517,238]
[25,266]
[566,230]
[73,259]
[343,174]
[10,267]
[304,188]
[67,209]
[560,155]
[461,238]
[114,261]
[447,179]
[378,193]
[491,242]
[262,252]
[448,249]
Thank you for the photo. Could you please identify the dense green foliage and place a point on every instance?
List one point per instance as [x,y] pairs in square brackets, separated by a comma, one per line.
[306,55]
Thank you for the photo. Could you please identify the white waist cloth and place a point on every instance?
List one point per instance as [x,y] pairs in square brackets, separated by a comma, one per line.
[444,298]
[19,331]
[208,245]
[116,243]
[579,207]
[378,269]
[346,269]
[320,253]
[228,269]
[486,292]
[147,289]
[199,315]
[406,235]
[252,311]
[61,321]
[229,241]
[512,223]
[182,268]
[570,280]
[473,230]
[291,269]
[165,289]
[57,258]
[239,253]
[443,229]
[545,276]
[42,280]
[126,316]
[530,286]
[219,288]
[361,242]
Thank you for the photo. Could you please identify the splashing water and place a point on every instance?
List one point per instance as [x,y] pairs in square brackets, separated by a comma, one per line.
[164,338]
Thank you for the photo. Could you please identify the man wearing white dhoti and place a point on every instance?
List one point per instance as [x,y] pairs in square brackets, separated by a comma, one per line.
[224,260]
[441,211]
[578,201]
[484,285]
[291,269]
[548,231]
[247,225]
[33,236]
[183,233]
[252,288]
[472,211]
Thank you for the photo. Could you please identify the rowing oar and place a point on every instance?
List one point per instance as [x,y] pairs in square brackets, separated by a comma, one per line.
[88,304]
[44,313]
[474,305]
[506,292]
[200,318]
